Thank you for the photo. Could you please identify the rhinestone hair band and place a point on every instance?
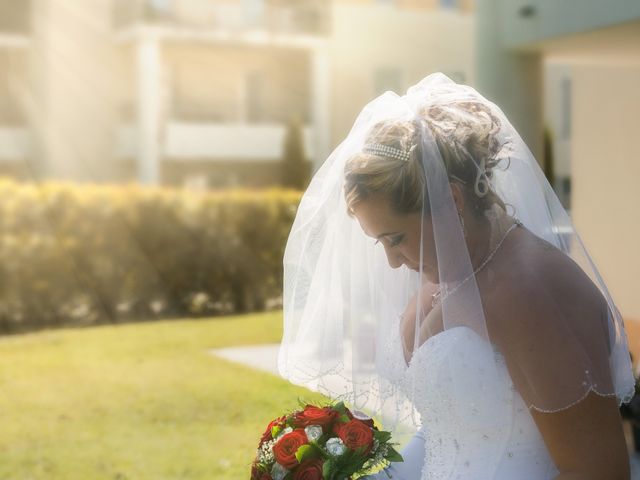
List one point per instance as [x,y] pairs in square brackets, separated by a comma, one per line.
[387,151]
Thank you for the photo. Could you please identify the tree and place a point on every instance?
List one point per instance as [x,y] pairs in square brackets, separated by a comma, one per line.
[295,167]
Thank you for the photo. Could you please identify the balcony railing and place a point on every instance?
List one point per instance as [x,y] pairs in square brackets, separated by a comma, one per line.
[310,17]
[213,141]
[232,142]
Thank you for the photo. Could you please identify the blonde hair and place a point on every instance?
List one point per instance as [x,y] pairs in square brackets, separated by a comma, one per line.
[466,137]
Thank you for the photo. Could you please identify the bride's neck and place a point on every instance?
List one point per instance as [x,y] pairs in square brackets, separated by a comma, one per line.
[484,232]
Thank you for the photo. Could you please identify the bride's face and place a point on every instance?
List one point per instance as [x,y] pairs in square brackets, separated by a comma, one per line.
[399,234]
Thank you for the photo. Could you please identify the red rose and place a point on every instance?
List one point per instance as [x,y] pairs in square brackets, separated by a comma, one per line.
[337,428]
[312,415]
[278,422]
[309,470]
[356,434]
[256,474]
[362,417]
[285,449]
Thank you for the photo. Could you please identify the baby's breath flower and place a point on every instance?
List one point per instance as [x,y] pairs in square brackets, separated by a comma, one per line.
[376,444]
[265,452]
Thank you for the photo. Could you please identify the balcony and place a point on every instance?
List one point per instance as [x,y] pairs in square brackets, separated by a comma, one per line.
[229,141]
[215,141]
[303,17]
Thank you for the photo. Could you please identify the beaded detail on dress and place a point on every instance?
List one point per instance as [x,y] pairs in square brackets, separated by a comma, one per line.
[487,433]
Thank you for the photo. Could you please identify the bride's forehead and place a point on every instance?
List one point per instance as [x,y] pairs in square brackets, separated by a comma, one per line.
[376,217]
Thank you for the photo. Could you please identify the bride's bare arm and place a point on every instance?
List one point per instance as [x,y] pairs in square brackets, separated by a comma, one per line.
[586,440]
[546,323]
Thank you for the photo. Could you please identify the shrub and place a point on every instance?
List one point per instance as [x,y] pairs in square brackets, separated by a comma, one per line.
[87,254]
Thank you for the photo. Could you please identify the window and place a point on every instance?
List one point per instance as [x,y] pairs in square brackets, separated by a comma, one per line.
[254,97]
[160,5]
[565,98]
[158,9]
[253,11]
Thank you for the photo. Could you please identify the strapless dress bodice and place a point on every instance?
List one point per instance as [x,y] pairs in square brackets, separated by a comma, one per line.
[475,423]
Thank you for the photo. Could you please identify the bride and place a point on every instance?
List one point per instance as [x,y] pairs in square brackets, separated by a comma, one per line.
[433,280]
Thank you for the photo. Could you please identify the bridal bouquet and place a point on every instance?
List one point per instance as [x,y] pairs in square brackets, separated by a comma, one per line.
[322,443]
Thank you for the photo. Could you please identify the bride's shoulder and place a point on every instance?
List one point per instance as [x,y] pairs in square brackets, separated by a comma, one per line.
[534,268]
[537,285]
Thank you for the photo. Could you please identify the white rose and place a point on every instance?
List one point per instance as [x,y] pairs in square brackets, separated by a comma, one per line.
[278,472]
[314,432]
[335,447]
[360,415]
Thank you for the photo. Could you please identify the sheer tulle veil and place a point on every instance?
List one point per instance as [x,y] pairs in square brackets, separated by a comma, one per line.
[343,302]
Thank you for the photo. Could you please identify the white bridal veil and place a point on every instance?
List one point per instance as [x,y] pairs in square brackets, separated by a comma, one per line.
[345,307]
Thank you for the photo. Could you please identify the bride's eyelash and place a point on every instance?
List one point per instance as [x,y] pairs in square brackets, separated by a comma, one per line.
[396,241]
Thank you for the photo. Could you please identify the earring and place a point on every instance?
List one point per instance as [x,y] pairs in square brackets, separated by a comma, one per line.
[464,229]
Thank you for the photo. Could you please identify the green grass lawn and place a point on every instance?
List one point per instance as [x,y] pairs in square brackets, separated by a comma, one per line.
[137,401]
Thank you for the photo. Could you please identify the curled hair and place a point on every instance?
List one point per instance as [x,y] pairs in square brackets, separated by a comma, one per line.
[402,181]
[466,134]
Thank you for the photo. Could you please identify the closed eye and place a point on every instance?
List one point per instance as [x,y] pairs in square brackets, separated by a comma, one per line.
[395,241]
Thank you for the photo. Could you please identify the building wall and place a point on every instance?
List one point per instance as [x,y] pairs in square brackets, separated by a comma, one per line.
[81,80]
[558,120]
[370,43]
[606,175]
[69,92]
[525,24]
[12,72]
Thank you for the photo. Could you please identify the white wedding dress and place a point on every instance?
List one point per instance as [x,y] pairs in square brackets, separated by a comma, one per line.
[485,434]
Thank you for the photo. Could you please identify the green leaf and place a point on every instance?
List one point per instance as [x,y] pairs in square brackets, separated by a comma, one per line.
[304,452]
[327,468]
[393,455]
[340,408]
[381,436]
[302,402]
[343,418]
[275,430]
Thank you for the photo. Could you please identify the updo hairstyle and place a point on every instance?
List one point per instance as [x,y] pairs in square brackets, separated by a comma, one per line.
[466,134]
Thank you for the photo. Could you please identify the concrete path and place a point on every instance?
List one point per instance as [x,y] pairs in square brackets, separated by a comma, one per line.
[264,357]
[260,357]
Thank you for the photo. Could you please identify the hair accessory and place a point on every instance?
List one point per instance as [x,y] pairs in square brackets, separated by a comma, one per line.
[388,151]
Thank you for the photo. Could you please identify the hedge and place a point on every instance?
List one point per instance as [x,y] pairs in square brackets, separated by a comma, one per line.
[90,254]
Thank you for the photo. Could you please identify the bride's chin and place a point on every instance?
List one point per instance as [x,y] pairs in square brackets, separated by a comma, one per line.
[430,274]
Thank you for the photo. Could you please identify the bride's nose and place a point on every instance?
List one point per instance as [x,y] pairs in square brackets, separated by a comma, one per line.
[395,259]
